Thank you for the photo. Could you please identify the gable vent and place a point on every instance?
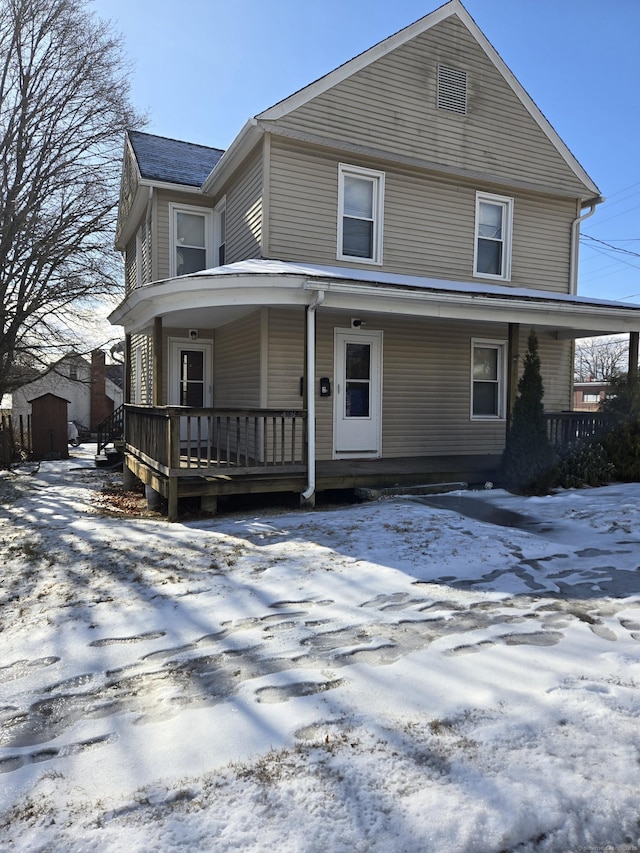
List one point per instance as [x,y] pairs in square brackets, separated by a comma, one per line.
[452,90]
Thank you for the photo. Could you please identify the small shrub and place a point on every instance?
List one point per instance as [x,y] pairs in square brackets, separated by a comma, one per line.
[622,446]
[621,440]
[588,464]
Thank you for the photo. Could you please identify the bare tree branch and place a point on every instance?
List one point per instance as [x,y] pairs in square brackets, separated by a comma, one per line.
[64,107]
[600,359]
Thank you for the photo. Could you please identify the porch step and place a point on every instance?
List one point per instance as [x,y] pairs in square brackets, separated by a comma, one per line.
[111,457]
[426,489]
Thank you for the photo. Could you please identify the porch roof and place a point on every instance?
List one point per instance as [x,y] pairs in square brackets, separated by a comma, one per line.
[215,296]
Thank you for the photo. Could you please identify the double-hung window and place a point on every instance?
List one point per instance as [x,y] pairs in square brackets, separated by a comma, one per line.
[492,256]
[360,214]
[190,240]
[488,384]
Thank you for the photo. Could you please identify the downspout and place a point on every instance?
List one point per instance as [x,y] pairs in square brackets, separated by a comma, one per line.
[317,300]
[575,237]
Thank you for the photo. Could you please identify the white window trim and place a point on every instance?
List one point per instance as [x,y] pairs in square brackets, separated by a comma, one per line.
[218,210]
[501,346]
[507,225]
[377,179]
[208,233]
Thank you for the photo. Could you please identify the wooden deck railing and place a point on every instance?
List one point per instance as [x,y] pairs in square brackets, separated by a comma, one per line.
[180,441]
[567,428]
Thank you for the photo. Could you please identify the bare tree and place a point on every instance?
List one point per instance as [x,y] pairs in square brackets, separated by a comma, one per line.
[64,106]
[600,358]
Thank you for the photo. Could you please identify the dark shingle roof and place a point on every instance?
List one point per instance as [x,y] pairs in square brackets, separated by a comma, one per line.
[161,159]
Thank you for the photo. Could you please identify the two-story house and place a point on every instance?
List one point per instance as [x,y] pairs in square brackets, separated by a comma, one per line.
[341,298]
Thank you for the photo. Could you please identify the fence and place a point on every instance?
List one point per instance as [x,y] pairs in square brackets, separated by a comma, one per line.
[567,428]
[15,438]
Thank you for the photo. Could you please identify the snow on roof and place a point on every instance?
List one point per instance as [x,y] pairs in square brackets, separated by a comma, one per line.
[256,266]
[173,161]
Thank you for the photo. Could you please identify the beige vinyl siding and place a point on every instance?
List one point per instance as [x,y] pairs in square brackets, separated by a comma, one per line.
[130,266]
[244,212]
[286,357]
[426,390]
[556,367]
[429,221]
[391,106]
[236,363]
[142,385]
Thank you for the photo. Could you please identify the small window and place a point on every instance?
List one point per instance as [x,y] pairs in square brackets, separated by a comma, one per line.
[220,232]
[190,239]
[360,212]
[73,372]
[487,379]
[452,90]
[492,255]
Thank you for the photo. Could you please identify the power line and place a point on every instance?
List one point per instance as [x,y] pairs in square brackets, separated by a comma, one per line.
[611,246]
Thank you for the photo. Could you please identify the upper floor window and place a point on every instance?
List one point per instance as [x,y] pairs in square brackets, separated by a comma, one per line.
[220,232]
[190,240]
[360,213]
[492,256]
[488,385]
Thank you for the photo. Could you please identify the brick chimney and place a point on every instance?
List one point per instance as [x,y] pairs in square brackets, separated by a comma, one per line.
[101,405]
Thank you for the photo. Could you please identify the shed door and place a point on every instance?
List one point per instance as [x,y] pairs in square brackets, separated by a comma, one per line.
[358,393]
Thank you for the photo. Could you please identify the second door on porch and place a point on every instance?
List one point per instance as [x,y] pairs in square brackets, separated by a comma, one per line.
[190,379]
[358,393]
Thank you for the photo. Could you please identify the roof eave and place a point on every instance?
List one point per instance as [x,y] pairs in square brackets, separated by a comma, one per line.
[233,157]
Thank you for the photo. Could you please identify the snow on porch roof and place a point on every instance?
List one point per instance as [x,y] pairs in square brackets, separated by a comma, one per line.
[378,277]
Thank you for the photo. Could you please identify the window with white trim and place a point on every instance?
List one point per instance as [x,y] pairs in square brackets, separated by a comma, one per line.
[492,254]
[488,386]
[360,214]
[220,232]
[190,239]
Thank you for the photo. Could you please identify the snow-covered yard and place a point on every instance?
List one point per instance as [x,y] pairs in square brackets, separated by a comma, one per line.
[391,676]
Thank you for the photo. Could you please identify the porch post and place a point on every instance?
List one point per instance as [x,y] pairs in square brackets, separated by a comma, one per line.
[633,352]
[308,496]
[157,361]
[128,477]
[513,357]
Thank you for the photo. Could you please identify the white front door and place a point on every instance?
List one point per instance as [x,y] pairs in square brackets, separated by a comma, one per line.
[358,393]
[190,372]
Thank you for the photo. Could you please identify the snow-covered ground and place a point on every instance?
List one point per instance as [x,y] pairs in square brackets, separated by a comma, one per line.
[391,676]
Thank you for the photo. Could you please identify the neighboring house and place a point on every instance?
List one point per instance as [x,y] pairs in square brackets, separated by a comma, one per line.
[93,389]
[587,396]
[343,297]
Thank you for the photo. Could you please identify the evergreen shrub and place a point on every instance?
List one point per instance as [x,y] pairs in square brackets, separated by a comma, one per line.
[528,461]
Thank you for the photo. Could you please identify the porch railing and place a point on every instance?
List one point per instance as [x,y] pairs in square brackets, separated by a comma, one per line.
[110,429]
[180,441]
[567,428]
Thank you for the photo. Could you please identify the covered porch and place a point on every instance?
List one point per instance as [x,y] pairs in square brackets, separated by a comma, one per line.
[207,450]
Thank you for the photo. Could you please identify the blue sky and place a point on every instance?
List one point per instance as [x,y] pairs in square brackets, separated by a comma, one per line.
[201,68]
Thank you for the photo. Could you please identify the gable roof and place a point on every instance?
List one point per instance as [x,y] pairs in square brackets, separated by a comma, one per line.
[449,9]
[171,160]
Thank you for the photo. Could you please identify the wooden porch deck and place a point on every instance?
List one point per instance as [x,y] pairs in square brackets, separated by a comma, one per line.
[331,475]
[206,453]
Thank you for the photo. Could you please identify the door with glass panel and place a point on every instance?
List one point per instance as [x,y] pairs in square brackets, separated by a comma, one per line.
[190,380]
[358,393]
